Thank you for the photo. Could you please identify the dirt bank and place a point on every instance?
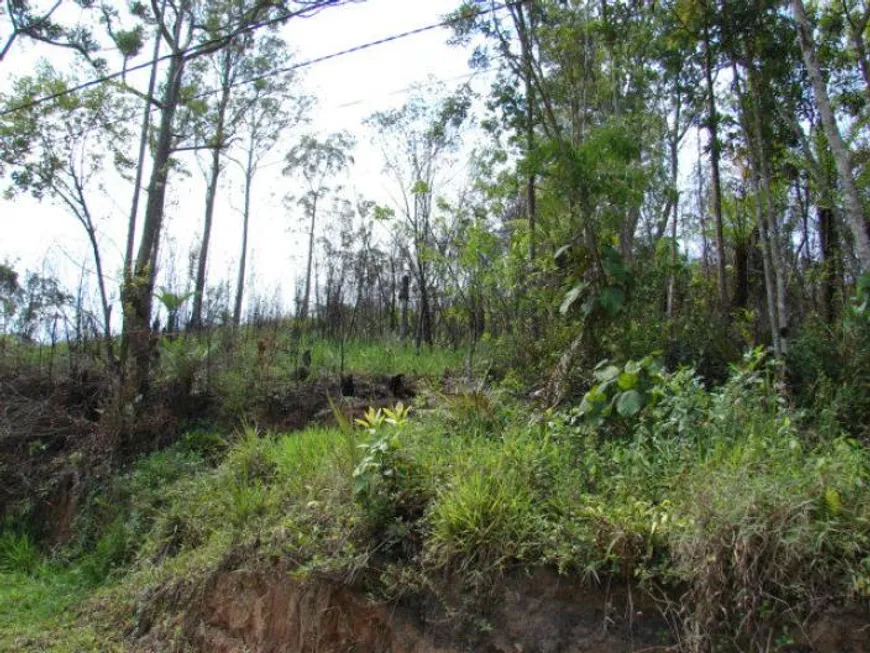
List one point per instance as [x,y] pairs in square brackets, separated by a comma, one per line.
[272,612]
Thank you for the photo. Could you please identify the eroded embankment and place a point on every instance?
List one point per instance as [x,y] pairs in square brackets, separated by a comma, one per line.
[272,612]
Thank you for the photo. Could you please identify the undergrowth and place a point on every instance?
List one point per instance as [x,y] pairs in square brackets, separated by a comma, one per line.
[729,505]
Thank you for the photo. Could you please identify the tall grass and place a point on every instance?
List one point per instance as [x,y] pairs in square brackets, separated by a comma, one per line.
[392,357]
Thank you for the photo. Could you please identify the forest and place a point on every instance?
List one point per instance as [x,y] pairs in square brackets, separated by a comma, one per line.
[574,355]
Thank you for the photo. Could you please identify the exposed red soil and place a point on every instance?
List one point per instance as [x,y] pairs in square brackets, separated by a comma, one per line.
[271,612]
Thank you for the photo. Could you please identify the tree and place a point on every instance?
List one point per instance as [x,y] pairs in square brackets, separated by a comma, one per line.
[842,156]
[268,107]
[38,24]
[23,306]
[187,33]
[67,145]
[214,130]
[317,162]
[416,141]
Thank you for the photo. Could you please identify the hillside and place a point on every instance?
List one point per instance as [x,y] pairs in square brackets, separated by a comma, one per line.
[458,517]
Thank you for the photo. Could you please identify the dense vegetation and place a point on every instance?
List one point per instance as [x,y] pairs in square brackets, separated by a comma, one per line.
[610,352]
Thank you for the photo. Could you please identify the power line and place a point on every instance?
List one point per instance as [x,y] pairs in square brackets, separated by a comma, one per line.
[207,44]
[398,91]
[200,48]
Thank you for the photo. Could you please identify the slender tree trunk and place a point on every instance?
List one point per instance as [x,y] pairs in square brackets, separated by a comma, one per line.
[425,332]
[675,209]
[856,33]
[305,300]
[702,212]
[777,260]
[404,297]
[753,139]
[211,190]
[137,186]
[769,287]
[243,257]
[104,295]
[202,260]
[531,196]
[741,274]
[861,55]
[842,157]
[140,288]
[713,128]
[830,261]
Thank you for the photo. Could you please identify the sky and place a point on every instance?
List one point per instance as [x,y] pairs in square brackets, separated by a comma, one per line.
[41,236]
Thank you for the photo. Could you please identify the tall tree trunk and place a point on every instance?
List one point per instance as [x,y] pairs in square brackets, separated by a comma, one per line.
[702,212]
[404,297]
[741,274]
[842,157]
[303,314]
[715,154]
[137,186]
[830,261]
[243,257]
[140,288]
[753,131]
[769,287]
[211,192]
[856,33]
[424,330]
[762,164]
[674,146]
[523,24]
[101,281]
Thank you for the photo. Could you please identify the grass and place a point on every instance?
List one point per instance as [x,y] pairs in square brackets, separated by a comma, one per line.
[395,358]
[38,611]
[726,501]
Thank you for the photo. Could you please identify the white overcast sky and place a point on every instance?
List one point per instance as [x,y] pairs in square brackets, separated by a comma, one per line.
[348,89]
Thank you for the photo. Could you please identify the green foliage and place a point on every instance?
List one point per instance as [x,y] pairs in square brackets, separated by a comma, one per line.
[37,612]
[208,445]
[250,461]
[384,358]
[18,553]
[476,412]
[29,308]
[385,478]
[726,495]
[486,514]
[828,371]
[111,551]
[621,392]
[182,357]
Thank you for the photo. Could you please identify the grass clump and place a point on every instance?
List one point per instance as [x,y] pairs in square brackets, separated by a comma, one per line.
[18,553]
[485,516]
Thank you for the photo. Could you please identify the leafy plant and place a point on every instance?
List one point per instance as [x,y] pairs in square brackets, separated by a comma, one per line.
[621,392]
[387,481]
[377,466]
[182,357]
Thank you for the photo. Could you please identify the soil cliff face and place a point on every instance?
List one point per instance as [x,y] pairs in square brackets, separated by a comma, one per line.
[271,612]
[248,611]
